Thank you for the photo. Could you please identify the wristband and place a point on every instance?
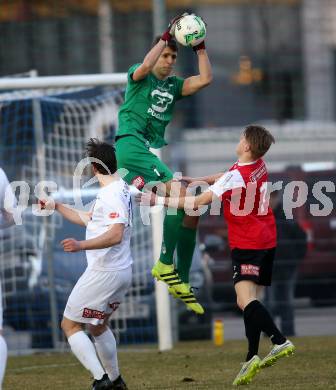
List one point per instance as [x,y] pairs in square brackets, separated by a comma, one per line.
[166,36]
[200,46]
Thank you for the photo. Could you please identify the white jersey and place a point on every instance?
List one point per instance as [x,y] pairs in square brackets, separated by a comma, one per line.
[3,221]
[5,190]
[113,205]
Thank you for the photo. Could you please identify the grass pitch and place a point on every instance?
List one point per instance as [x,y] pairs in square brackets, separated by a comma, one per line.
[193,365]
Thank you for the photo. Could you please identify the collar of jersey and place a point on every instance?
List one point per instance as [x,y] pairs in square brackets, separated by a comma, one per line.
[108,185]
[160,80]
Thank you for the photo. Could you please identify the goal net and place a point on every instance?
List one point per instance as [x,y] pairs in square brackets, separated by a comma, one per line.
[43,135]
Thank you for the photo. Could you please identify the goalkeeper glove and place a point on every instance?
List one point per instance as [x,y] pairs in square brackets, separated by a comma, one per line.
[170,32]
[200,46]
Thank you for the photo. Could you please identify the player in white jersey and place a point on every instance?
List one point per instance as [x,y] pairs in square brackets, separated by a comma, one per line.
[6,220]
[108,276]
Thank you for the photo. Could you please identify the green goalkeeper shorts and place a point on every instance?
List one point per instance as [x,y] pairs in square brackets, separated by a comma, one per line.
[140,164]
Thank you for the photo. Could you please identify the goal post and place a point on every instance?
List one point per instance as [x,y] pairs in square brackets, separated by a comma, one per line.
[48,82]
[55,116]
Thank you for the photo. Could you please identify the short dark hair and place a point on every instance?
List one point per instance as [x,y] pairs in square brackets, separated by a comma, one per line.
[103,152]
[259,139]
[172,44]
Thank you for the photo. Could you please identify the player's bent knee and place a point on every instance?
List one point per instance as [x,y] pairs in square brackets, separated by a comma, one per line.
[97,330]
[70,327]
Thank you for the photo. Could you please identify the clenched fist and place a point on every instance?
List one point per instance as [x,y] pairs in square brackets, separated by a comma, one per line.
[71,245]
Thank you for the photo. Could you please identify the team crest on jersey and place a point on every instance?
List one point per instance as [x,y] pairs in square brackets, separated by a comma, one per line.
[114,215]
[249,269]
[138,182]
[161,100]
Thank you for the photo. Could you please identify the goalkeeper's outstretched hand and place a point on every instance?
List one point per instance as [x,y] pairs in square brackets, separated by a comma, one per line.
[170,32]
[200,46]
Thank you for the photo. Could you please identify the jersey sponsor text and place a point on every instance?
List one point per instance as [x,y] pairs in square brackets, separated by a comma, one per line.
[91,313]
[249,269]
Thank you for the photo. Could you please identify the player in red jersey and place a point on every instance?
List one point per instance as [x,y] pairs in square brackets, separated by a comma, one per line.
[252,239]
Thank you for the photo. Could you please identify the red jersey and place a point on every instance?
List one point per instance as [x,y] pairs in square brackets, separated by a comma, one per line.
[250,220]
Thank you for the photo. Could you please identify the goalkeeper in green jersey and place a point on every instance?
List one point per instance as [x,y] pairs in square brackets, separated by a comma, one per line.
[151,95]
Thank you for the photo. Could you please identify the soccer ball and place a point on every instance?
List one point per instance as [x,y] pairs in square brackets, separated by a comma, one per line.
[190,30]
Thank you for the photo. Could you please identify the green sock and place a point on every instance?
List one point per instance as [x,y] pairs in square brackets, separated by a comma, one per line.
[171,232]
[185,250]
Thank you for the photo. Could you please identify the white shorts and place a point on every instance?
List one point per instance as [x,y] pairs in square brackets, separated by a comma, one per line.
[97,294]
[1,313]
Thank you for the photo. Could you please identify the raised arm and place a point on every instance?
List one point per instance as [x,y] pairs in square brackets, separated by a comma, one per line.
[211,179]
[183,202]
[194,83]
[149,61]
[153,55]
[227,182]
[78,217]
[187,202]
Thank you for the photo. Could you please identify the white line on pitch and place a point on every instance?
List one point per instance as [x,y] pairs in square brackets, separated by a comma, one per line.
[28,368]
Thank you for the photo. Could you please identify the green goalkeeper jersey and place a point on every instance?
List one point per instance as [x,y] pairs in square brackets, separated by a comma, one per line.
[148,107]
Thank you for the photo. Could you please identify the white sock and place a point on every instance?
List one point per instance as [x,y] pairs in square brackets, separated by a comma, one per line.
[85,352]
[3,358]
[106,347]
